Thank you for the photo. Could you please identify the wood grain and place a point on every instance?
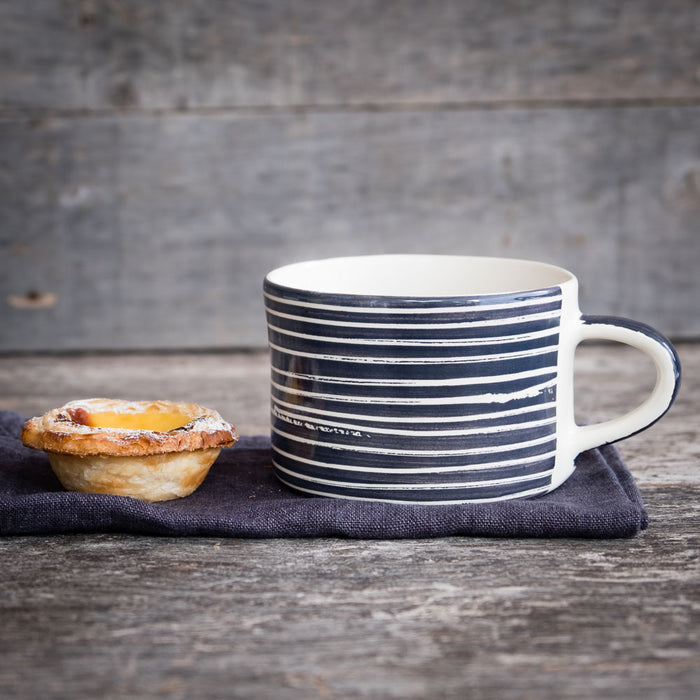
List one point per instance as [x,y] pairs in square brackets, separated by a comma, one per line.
[156,231]
[136,54]
[156,160]
[115,616]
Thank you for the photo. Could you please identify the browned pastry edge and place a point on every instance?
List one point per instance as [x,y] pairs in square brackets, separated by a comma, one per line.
[61,431]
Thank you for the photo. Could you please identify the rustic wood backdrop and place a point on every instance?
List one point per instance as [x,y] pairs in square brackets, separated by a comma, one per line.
[157,159]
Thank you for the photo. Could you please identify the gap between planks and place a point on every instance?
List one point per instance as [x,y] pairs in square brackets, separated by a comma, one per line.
[355,107]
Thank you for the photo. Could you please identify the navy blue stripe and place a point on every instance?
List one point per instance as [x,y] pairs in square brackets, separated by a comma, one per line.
[306,322]
[388,349]
[387,441]
[379,371]
[508,386]
[394,318]
[476,315]
[536,466]
[330,455]
[422,495]
[418,410]
[424,333]
[419,323]
[503,370]
[493,421]
[398,302]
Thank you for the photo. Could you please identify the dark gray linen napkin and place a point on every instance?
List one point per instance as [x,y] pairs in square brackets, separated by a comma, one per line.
[242,498]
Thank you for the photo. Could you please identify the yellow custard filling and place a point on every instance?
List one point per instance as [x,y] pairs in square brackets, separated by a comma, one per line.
[149,419]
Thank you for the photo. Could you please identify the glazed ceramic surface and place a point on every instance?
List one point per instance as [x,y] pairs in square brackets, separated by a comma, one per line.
[435,379]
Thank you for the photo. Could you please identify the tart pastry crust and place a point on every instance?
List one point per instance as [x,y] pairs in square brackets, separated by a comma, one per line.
[151,450]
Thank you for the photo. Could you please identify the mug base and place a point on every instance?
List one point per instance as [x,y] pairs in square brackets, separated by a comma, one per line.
[413,496]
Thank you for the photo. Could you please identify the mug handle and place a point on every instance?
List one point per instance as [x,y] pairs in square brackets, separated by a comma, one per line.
[668,377]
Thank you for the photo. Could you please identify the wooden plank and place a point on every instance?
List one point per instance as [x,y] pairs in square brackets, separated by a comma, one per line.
[114,616]
[610,380]
[143,54]
[156,231]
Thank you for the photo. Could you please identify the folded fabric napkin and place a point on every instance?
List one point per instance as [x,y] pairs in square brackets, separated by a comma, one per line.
[242,498]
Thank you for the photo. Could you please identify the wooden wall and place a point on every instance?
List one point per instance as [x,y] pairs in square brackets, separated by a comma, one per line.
[157,159]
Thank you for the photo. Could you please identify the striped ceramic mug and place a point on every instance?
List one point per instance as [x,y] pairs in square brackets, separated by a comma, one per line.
[437,379]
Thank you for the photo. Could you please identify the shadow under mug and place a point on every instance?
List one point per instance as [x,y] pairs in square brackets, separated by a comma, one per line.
[436,378]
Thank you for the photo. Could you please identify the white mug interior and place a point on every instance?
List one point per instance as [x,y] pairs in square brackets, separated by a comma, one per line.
[418,275]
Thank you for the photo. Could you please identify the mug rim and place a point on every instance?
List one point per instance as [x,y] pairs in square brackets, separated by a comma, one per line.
[283,277]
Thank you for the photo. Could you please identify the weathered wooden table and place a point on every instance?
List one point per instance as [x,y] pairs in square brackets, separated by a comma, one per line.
[116,616]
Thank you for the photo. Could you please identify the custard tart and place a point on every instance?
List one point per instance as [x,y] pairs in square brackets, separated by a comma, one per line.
[150,450]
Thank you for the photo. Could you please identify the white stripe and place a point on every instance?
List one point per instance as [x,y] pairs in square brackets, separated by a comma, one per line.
[489,449]
[413,342]
[521,494]
[422,470]
[412,487]
[282,415]
[415,310]
[452,381]
[364,359]
[437,401]
[391,326]
[418,419]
